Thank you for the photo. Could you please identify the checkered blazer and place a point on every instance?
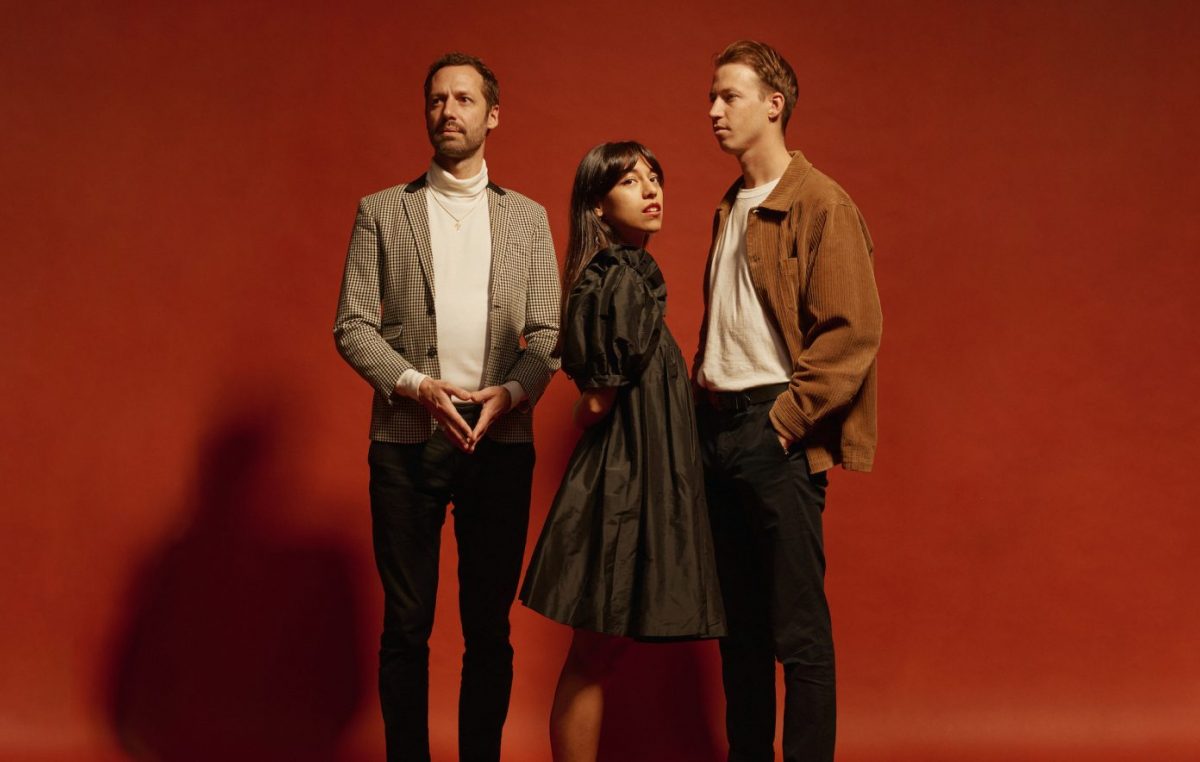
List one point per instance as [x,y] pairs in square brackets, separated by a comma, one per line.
[385,318]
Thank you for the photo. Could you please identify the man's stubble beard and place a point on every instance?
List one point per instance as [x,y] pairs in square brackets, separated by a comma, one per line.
[454,149]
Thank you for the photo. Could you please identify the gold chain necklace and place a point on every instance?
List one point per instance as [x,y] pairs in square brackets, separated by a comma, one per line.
[458,221]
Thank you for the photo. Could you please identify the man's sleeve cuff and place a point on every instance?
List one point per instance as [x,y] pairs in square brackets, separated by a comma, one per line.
[516,391]
[409,383]
[786,414]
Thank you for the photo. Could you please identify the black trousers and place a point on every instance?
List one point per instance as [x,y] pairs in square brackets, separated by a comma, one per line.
[766,520]
[411,486]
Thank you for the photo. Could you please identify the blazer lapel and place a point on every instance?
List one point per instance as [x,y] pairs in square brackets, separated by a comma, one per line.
[416,209]
[498,222]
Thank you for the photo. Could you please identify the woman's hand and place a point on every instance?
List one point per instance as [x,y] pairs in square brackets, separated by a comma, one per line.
[593,405]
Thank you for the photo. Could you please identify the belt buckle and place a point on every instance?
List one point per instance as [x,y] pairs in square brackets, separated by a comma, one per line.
[734,402]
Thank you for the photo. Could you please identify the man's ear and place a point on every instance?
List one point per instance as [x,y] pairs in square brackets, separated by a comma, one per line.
[775,102]
[493,119]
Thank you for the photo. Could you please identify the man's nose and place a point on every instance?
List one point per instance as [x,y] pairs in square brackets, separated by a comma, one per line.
[649,189]
[715,111]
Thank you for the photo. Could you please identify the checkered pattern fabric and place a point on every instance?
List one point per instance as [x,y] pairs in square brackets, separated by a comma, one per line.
[385,318]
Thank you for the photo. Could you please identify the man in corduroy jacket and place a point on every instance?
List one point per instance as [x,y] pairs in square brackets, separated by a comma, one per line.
[785,382]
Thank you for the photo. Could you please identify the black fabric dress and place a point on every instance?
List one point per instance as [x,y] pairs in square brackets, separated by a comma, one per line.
[626,548]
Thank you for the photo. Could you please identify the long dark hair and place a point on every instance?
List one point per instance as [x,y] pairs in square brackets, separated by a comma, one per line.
[600,170]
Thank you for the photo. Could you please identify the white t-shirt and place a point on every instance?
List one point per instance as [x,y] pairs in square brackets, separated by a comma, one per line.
[742,349]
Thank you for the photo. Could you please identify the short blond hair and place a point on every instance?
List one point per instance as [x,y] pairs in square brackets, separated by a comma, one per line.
[775,72]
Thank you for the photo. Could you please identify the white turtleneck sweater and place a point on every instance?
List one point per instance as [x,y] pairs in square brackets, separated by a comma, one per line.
[461,241]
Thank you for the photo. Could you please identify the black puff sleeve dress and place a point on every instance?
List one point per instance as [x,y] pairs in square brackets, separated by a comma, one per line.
[626,548]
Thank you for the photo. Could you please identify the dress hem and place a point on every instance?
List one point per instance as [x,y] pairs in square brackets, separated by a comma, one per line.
[714,633]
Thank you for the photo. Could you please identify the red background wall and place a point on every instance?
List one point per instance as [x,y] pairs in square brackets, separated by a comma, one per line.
[184,544]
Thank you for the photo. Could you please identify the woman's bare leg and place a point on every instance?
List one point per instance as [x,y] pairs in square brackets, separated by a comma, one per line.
[579,697]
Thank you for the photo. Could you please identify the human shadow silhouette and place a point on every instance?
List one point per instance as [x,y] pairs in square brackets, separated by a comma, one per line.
[240,640]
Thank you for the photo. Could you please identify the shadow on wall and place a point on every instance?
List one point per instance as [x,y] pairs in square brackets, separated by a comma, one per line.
[240,639]
[660,705]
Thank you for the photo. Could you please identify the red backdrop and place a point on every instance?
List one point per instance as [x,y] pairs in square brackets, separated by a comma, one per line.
[185,540]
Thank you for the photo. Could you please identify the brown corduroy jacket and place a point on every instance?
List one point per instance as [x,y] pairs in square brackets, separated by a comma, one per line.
[809,254]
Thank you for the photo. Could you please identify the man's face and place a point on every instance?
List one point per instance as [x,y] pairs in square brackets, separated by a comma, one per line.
[741,112]
[457,116]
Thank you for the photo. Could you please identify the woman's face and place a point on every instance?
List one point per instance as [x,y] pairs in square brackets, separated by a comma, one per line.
[634,206]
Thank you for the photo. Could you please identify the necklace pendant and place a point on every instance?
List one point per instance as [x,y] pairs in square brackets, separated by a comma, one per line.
[457,225]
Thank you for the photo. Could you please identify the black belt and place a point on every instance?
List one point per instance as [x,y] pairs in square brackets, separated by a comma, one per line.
[469,411]
[726,401]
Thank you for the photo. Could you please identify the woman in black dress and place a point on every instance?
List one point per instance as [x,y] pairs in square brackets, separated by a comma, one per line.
[626,551]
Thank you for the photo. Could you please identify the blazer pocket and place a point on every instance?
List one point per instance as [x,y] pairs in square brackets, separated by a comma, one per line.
[391,334]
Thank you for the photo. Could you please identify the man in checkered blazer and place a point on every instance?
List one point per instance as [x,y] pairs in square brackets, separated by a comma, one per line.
[449,309]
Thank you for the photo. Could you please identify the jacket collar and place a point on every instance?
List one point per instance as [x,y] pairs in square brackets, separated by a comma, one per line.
[784,196]
[421,182]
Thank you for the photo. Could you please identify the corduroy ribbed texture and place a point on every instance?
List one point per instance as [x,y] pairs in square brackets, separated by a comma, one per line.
[809,253]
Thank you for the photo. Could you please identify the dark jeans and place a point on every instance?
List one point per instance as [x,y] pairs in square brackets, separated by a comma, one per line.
[410,488]
[766,521]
